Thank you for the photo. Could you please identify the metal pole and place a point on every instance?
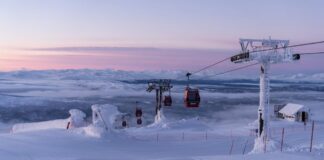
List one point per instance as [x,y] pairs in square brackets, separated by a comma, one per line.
[206,136]
[157,104]
[282,138]
[265,144]
[312,136]
[231,149]
[160,104]
[245,146]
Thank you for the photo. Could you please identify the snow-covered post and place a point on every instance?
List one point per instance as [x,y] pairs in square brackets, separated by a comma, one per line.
[158,115]
[263,114]
[157,109]
[266,52]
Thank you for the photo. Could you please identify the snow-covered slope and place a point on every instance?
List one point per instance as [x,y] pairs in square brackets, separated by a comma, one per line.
[153,143]
[228,105]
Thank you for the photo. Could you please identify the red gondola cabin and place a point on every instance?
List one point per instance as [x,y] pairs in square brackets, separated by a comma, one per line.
[191,97]
[167,101]
[138,112]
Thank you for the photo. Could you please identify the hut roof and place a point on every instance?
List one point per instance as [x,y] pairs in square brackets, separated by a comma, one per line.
[291,108]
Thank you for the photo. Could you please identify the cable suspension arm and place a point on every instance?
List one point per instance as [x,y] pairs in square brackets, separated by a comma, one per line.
[291,46]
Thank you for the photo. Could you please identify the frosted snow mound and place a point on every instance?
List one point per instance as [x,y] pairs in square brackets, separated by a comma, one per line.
[260,147]
[192,124]
[104,116]
[53,124]
[77,118]
[90,131]
[159,120]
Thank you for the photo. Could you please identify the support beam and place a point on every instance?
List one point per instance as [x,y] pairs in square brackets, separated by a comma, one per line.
[157,110]
[158,115]
[160,86]
[263,111]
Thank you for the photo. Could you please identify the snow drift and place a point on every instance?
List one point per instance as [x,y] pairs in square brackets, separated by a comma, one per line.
[75,120]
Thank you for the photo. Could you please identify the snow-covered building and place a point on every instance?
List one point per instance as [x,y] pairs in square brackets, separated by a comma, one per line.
[295,112]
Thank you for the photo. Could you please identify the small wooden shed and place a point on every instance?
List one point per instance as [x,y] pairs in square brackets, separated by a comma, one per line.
[295,112]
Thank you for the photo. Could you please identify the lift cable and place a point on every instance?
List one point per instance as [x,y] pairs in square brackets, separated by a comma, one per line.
[270,49]
[235,69]
[232,70]
[253,64]
[211,65]
[311,53]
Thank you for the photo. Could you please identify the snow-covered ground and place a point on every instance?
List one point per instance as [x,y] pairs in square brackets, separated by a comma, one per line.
[217,130]
[164,141]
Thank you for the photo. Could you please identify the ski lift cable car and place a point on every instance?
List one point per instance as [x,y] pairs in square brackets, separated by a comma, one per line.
[124,123]
[191,95]
[139,121]
[138,111]
[168,99]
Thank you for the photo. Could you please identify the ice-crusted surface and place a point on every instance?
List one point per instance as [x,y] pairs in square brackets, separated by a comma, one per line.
[262,146]
[52,124]
[104,116]
[228,106]
[77,118]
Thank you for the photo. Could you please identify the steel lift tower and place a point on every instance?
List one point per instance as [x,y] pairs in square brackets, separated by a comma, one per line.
[266,52]
[160,86]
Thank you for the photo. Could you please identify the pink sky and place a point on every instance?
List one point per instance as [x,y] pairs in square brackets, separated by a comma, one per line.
[138,59]
[124,59]
[33,32]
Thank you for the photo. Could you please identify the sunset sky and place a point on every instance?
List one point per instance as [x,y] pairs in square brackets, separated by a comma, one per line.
[151,35]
